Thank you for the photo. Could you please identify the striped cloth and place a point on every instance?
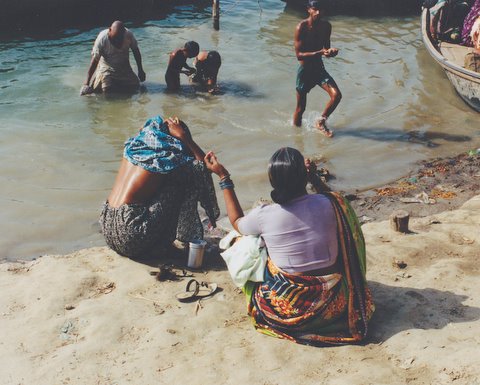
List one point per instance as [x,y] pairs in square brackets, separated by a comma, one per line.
[318,310]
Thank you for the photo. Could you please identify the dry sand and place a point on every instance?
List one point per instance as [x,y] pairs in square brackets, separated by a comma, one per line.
[125,327]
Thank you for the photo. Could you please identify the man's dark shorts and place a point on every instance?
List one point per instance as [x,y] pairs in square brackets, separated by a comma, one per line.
[311,74]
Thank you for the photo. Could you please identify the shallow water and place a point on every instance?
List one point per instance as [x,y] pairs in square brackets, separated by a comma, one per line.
[60,152]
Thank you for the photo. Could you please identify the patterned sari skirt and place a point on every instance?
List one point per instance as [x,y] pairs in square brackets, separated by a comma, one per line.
[312,309]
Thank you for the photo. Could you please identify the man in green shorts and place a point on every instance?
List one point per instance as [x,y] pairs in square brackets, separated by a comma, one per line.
[312,41]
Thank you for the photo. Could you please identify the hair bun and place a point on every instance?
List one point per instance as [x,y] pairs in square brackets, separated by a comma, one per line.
[280,197]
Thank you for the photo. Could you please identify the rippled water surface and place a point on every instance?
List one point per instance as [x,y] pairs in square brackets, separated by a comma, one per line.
[60,152]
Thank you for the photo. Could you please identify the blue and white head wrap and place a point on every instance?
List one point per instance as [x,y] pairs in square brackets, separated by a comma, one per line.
[155,150]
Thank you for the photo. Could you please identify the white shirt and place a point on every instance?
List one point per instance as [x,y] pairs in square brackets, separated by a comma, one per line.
[113,59]
[300,235]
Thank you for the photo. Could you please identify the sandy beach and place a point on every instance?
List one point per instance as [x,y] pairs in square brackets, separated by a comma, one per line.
[93,317]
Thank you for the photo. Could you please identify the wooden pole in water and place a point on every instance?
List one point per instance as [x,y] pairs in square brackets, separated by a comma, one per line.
[216,14]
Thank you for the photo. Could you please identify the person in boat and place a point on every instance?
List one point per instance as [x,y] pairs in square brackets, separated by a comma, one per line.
[447,18]
[177,64]
[472,59]
[110,68]
[314,290]
[207,65]
[468,23]
[312,42]
[154,198]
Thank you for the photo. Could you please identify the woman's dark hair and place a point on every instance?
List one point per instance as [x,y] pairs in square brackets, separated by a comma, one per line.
[287,174]
[214,60]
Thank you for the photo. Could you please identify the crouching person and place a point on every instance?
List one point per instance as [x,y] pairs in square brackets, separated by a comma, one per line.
[154,198]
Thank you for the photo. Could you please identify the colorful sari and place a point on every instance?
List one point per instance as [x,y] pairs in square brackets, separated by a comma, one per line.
[468,23]
[318,310]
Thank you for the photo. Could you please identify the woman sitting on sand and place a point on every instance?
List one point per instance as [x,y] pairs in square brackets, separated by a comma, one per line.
[314,290]
[154,197]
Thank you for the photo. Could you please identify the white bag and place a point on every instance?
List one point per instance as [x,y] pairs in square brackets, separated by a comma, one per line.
[246,259]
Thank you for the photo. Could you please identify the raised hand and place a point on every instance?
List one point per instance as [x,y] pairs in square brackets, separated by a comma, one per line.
[177,130]
[214,166]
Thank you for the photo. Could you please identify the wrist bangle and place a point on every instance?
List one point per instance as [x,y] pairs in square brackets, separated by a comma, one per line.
[226,176]
[226,183]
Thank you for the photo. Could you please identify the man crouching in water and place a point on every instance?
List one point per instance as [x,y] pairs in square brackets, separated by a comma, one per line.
[312,41]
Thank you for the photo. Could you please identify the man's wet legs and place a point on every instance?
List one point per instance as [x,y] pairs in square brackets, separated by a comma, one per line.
[300,109]
[335,98]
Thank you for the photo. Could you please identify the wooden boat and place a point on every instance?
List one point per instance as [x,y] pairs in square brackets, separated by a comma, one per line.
[451,58]
[367,8]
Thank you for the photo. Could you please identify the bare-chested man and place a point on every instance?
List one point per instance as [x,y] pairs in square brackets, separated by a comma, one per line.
[177,62]
[312,41]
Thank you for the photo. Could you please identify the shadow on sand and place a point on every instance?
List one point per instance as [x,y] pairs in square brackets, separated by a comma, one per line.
[402,308]
[426,139]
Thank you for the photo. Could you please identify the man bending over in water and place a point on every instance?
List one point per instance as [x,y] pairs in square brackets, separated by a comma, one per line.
[109,68]
[312,41]
[178,61]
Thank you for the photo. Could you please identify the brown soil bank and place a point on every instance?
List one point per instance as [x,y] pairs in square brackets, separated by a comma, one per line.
[434,186]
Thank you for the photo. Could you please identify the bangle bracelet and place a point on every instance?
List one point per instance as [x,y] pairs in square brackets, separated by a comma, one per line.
[226,183]
[226,176]
[228,186]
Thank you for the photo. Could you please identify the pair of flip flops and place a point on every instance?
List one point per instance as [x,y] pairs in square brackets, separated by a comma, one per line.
[196,290]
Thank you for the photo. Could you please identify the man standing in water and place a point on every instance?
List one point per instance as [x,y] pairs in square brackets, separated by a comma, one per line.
[312,41]
[110,66]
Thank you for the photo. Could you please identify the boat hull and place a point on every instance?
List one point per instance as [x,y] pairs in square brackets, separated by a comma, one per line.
[465,82]
[469,91]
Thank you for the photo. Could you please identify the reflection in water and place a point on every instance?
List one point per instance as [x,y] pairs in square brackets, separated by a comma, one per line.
[397,108]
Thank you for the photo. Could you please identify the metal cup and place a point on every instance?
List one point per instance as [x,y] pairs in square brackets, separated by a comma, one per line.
[196,250]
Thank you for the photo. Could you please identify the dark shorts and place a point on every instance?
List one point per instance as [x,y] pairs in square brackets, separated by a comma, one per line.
[311,74]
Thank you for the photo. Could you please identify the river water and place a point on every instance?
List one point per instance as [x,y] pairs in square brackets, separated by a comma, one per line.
[60,152]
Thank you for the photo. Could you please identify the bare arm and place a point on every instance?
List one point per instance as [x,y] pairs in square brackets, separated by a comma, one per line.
[234,211]
[138,60]
[176,129]
[91,70]
[314,178]
[198,153]
[212,84]
[190,70]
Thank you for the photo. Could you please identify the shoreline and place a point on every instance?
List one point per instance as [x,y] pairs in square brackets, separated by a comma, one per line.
[458,176]
[431,187]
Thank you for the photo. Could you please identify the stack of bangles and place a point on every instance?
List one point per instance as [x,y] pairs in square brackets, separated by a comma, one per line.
[226,183]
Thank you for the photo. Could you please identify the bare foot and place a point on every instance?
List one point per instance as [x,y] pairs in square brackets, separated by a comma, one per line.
[322,126]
